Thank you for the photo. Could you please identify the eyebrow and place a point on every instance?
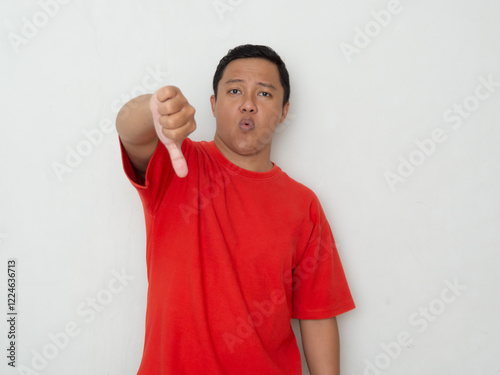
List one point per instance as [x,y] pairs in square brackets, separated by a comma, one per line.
[264,84]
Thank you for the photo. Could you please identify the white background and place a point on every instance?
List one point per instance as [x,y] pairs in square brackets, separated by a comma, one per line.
[353,118]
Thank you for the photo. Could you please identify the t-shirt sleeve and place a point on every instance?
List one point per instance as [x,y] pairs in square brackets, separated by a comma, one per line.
[159,174]
[319,288]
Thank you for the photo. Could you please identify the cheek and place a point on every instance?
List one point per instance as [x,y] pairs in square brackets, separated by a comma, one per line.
[223,119]
[277,112]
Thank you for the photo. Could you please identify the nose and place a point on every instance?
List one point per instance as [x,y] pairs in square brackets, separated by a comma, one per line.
[248,104]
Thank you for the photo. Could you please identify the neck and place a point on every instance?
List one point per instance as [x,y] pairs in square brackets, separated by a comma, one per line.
[258,162]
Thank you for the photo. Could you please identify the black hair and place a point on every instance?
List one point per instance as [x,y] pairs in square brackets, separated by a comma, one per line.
[254,51]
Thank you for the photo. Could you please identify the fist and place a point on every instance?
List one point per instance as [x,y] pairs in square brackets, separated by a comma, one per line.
[173,119]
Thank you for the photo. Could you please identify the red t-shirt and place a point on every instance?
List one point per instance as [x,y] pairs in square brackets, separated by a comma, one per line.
[232,256]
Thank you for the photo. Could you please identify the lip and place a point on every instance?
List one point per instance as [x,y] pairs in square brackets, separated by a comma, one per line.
[246,124]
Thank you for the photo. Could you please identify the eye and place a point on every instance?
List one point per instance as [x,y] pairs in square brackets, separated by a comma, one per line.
[265,94]
[233,91]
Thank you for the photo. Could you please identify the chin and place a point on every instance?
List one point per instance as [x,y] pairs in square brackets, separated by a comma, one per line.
[245,149]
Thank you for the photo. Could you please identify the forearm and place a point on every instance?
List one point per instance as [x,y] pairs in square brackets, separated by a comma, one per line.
[134,124]
[134,121]
[321,344]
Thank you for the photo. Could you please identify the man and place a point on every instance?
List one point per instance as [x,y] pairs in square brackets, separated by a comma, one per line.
[235,247]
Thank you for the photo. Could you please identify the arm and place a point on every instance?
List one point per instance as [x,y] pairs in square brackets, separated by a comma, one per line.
[165,115]
[320,341]
[135,127]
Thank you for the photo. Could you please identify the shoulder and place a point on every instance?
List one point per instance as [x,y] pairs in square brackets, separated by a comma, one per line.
[304,197]
[190,149]
[297,187]
[198,147]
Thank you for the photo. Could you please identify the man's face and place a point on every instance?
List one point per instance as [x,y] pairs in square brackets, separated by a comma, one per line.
[249,106]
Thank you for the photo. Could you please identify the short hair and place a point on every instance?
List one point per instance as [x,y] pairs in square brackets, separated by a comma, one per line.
[254,51]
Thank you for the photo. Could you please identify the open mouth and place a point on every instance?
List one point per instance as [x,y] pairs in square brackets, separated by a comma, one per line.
[247,124]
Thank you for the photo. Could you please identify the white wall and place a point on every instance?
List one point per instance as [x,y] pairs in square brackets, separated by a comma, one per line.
[358,108]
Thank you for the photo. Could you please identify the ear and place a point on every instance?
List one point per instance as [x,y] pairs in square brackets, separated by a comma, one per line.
[284,112]
[213,101]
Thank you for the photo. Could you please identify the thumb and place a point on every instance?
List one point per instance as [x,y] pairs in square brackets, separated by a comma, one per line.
[174,149]
[178,161]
